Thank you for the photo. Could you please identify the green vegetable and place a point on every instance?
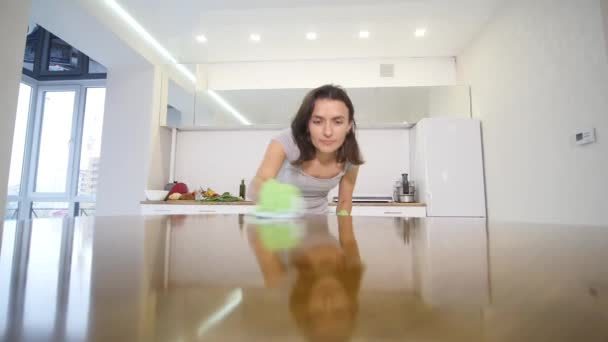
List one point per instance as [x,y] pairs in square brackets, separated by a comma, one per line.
[222,199]
[225,197]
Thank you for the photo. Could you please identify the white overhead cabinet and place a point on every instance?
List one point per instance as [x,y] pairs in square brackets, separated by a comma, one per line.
[447,166]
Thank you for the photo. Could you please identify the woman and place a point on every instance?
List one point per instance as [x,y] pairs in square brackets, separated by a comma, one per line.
[319,152]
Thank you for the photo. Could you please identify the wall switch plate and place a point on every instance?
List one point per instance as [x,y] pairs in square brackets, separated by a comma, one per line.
[584,136]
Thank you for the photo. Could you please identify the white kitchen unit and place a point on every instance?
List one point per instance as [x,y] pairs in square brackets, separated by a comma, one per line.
[148,208]
[194,208]
[388,210]
[447,166]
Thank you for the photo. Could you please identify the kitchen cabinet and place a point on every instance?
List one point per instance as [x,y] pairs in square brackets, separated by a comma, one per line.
[195,106]
[196,208]
[389,211]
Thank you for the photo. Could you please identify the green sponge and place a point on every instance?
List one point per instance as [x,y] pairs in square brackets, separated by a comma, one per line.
[277,197]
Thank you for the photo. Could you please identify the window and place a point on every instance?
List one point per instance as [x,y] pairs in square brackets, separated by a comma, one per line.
[50,209]
[32,49]
[56,150]
[55,141]
[96,68]
[12,211]
[62,57]
[48,57]
[91,141]
[19,161]
[19,139]
[57,137]
[85,209]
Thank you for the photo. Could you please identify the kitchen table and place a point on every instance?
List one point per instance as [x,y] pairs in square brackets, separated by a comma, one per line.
[231,278]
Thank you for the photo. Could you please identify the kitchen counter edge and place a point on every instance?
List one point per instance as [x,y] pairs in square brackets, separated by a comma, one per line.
[355,204]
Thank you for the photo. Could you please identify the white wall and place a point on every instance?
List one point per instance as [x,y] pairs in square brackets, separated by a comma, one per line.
[347,73]
[220,159]
[13,21]
[605,19]
[159,154]
[538,72]
[131,154]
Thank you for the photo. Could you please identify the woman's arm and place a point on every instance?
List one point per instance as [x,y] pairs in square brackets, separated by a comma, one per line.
[269,168]
[346,188]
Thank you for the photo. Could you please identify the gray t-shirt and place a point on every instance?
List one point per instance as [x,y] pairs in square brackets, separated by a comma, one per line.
[314,190]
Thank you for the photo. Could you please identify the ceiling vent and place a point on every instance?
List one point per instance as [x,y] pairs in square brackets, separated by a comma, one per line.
[387,70]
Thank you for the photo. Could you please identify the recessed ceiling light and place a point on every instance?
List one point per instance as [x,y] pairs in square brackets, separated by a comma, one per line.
[255,37]
[201,38]
[311,35]
[420,32]
[363,34]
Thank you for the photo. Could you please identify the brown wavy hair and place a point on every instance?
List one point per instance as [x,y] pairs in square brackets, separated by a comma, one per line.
[349,151]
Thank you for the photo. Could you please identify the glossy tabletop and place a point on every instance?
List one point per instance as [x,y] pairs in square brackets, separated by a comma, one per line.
[233,278]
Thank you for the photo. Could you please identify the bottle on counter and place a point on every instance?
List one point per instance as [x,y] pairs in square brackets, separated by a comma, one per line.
[242,189]
[405,185]
[198,195]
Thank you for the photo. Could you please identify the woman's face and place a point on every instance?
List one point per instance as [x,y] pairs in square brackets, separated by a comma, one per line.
[328,125]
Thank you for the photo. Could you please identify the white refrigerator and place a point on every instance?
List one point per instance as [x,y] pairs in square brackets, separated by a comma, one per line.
[447,166]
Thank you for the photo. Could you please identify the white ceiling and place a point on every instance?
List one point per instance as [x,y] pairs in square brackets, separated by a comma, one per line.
[282,24]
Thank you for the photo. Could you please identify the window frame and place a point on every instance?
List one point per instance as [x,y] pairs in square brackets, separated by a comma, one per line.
[25,166]
[27,196]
